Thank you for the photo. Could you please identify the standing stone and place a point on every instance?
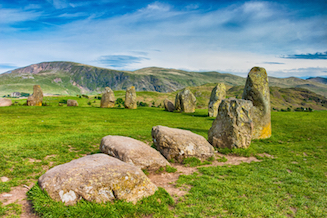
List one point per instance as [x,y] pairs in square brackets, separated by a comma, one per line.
[179,144]
[186,101]
[233,126]
[178,102]
[217,95]
[108,98]
[37,97]
[72,103]
[132,151]
[130,98]
[257,90]
[98,178]
[5,102]
[169,105]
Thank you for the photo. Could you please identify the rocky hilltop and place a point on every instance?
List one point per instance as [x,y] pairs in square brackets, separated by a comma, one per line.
[68,78]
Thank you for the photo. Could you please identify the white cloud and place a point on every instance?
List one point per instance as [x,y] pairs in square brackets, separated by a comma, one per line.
[232,39]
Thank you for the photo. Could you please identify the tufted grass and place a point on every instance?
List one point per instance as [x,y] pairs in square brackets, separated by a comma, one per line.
[292,184]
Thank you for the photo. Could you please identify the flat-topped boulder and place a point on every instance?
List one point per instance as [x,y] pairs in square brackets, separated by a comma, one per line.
[218,93]
[179,144]
[98,178]
[72,103]
[185,101]
[169,105]
[36,98]
[257,90]
[233,125]
[108,98]
[132,151]
[130,98]
[4,102]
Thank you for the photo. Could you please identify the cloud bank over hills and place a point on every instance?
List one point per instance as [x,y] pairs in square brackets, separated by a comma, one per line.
[288,38]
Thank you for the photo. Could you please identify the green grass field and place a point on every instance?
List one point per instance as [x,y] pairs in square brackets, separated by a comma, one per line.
[292,184]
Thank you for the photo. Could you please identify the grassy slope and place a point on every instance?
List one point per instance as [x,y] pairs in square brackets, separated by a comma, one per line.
[291,184]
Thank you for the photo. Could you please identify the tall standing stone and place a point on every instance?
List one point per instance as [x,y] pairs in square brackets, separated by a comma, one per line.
[217,95]
[108,98]
[178,102]
[186,101]
[257,90]
[130,98]
[233,126]
[37,97]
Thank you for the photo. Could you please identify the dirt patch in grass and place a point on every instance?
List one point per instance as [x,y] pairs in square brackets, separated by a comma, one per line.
[18,195]
[168,180]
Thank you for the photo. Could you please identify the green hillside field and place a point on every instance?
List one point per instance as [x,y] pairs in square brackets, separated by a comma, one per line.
[290,182]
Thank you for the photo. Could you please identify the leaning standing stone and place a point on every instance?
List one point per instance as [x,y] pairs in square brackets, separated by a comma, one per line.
[179,144]
[233,126]
[108,98]
[169,105]
[217,95]
[72,103]
[37,97]
[130,98]
[187,101]
[133,152]
[257,90]
[5,102]
[98,178]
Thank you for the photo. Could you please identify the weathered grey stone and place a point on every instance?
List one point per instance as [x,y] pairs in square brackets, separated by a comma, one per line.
[257,90]
[178,144]
[37,97]
[130,98]
[217,94]
[169,105]
[233,126]
[178,102]
[108,98]
[72,103]
[4,102]
[186,101]
[133,152]
[98,178]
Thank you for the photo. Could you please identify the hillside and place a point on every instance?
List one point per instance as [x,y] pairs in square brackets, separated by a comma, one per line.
[68,78]
[318,79]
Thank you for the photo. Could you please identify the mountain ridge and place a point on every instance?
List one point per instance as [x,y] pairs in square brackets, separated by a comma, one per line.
[69,78]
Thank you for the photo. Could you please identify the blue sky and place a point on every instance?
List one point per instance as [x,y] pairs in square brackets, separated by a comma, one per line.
[288,38]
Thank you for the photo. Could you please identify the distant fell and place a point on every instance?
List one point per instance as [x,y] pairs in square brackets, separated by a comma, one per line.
[69,78]
[318,79]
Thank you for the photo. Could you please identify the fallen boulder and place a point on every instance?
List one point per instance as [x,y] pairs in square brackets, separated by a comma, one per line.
[108,98]
[98,178]
[133,152]
[72,103]
[257,90]
[4,102]
[179,144]
[233,126]
[186,101]
[217,95]
[37,97]
[130,98]
[169,105]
